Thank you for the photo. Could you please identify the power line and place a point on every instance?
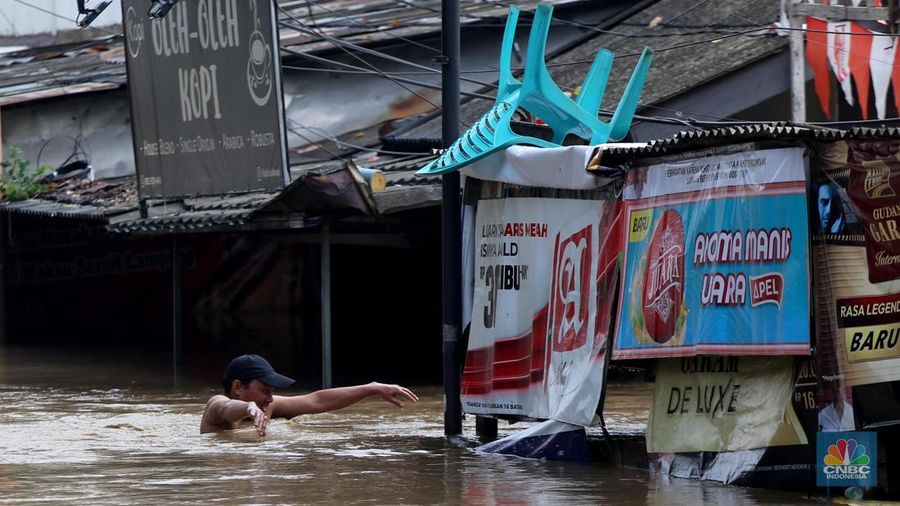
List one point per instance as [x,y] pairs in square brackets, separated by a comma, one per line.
[330,136]
[309,5]
[307,139]
[332,41]
[360,70]
[343,45]
[11,24]
[99,29]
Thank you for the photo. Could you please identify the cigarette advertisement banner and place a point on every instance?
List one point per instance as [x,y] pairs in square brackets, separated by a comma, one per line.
[544,278]
[716,257]
[856,194]
[723,403]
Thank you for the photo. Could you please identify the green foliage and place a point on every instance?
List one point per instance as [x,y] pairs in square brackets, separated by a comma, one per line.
[18,182]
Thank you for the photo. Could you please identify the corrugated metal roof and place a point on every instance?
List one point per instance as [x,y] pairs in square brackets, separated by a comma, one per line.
[708,138]
[99,64]
[372,21]
[80,67]
[661,25]
[53,209]
[116,201]
[677,24]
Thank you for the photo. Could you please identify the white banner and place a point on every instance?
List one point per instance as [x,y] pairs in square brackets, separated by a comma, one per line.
[535,347]
[562,167]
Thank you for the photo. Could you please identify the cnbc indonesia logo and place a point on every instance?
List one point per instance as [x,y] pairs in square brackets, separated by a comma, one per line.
[847,460]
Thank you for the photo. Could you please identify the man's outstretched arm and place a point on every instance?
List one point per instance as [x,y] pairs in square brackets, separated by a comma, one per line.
[336,398]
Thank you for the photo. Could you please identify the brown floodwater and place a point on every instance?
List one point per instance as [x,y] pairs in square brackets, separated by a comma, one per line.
[104,429]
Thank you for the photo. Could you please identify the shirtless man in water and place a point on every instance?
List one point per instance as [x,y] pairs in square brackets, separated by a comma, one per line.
[250,382]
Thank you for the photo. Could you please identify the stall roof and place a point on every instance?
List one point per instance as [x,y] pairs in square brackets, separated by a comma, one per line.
[115,201]
[711,138]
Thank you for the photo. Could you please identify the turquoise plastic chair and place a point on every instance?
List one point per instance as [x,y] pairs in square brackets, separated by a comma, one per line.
[540,96]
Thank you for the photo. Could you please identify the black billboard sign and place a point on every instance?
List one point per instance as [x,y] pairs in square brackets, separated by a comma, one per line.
[206,101]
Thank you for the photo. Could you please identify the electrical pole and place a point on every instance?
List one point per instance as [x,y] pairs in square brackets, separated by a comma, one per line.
[451,259]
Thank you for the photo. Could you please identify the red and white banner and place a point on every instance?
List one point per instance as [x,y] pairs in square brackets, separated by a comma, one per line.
[544,278]
[856,57]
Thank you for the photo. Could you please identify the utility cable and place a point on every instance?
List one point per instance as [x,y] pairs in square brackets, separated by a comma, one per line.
[343,45]
[330,136]
[360,70]
[9,21]
[307,139]
[309,5]
[332,41]
[23,2]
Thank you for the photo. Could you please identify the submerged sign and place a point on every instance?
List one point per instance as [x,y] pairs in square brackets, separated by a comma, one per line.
[716,257]
[716,403]
[205,88]
[846,459]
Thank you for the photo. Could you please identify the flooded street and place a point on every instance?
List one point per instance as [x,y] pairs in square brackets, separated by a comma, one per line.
[82,429]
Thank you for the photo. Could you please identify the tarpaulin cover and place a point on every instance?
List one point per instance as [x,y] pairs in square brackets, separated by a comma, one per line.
[550,440]
[716,257]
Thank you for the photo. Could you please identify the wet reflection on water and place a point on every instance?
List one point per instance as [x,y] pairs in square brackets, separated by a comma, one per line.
[106,431]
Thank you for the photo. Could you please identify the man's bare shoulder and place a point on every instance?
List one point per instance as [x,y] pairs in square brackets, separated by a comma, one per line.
[216,399]
[209,422]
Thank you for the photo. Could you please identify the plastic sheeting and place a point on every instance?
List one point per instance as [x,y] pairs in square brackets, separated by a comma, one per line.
[716,257]
[549,440]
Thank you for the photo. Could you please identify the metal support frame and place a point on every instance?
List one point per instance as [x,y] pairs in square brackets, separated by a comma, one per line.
[451,261]
[326,307]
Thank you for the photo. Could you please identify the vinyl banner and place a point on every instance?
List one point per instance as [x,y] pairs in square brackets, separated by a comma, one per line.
[716,257]
[856,187]
[544,274]
[719,403]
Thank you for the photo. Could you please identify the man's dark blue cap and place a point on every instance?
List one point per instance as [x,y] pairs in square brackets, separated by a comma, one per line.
[250,367]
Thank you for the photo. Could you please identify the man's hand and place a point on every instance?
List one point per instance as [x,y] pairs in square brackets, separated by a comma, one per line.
[395,394]
[260,420]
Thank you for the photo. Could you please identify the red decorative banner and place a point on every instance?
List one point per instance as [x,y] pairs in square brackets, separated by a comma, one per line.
[846,49]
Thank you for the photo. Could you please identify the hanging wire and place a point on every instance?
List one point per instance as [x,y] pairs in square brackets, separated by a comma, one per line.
[340,46]
[344,45]
[307,139]
[331,136]
[393,76]
[74,22]
[360,70]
